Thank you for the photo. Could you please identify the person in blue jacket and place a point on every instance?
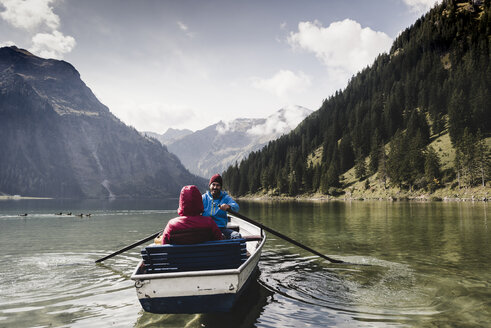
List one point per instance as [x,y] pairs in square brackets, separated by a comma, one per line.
[216,202]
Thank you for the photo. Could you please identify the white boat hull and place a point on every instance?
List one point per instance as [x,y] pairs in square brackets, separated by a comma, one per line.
[199,291]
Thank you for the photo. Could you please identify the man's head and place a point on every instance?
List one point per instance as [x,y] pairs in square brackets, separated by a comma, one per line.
[215,185]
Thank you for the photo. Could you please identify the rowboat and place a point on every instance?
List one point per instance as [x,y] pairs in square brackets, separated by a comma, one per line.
[199,278]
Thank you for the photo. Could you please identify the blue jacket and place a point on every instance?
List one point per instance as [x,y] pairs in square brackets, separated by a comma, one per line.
[212,207]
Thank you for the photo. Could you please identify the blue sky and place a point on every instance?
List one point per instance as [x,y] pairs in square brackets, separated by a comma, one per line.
[189,64]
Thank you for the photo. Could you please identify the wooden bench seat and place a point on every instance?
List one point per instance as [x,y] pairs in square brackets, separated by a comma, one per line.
[211,255]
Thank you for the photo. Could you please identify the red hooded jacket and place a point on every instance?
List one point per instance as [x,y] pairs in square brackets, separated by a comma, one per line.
[190,227]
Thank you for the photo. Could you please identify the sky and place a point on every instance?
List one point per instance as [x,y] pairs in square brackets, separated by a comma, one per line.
[183,64]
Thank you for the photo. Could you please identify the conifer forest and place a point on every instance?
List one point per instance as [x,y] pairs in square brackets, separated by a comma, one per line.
[434,81]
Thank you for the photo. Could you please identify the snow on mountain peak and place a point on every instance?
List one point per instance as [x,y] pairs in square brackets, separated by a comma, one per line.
[281,122]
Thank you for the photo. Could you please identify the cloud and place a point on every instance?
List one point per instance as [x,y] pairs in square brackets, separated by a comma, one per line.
[281,122]
[420,6]
[53,45]
[224,127]
[344,47]
[7,44]
[37,16]
[283,83]
[185,29]
[155,117]
[182,26]
[29,14]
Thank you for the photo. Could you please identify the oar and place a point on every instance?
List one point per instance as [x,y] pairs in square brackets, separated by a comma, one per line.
[276,233]
[129,247]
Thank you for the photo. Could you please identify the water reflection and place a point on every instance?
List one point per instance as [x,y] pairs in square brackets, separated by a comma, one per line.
[382,291]
[77,205]
[427,266]
[418,253]
[245,313]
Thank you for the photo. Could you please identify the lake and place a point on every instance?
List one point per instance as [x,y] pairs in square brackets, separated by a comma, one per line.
[415,264]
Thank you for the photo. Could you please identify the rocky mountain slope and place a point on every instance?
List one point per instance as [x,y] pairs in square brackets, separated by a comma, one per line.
[58,140]
[169,136]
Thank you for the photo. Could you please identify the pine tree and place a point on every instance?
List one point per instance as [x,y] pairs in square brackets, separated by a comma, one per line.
[465,159]
[360,166]
[432,169]
[316,179]
[374,153]
[418,124]
[398,168]
[293,182]
[243,183]
[483,158]
[382,166]
[307,178]
[332,176]
[346,155]
[324,180]
[281,182]
[457,117]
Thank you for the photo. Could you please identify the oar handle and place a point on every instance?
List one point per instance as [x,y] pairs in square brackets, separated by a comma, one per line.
[274,232]
[129,247]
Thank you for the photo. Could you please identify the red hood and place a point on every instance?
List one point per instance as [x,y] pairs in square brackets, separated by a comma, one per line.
[190,202]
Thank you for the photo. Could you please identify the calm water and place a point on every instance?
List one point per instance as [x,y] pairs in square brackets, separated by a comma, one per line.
[423,265]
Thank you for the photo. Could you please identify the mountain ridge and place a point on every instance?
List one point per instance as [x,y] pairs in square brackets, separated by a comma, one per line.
[212,149]
[168,136]
[61,141]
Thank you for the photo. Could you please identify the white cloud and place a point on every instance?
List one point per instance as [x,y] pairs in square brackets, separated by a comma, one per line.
[53,45]
[29,14]
[185,29]
[281,122]
[344,47]
[283,83]
[237,125]
[182,26]
[37,17]
[420,6]
[155,117]
[269,127]
[222,127]
[7,44]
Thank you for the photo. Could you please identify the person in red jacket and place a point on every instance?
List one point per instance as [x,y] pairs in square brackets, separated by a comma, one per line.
[191,227]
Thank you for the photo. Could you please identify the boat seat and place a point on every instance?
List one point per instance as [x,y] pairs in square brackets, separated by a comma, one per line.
[211,255]
[234,227]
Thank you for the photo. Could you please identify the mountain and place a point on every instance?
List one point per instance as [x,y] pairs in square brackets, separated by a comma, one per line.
[58,140]
[385,129]
[211,150]
[170,136]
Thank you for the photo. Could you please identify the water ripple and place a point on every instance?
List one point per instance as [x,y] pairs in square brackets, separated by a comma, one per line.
[364,293]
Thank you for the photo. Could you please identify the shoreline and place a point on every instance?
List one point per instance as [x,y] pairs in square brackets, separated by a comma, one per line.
[327,198]
[478,194]
[17,197]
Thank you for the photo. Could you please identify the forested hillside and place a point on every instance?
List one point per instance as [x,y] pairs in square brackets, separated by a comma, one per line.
[435,81]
